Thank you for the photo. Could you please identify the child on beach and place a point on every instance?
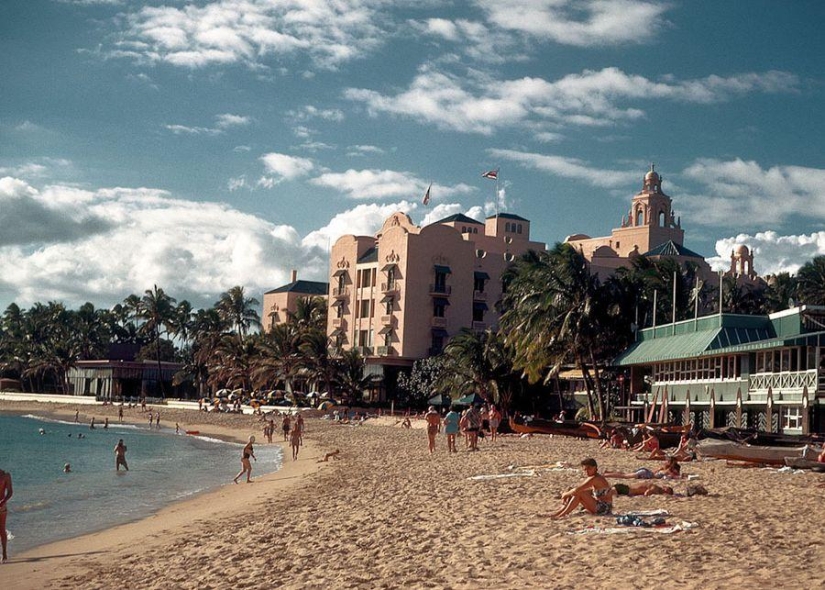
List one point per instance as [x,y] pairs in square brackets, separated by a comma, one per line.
[594,494]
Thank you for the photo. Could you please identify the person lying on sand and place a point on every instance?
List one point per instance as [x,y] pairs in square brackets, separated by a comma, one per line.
[594,494]
[333,455]
[671,469]
[644,488]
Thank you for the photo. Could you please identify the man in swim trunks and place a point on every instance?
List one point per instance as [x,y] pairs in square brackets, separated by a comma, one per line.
[120,456]
[5,495]
[433,426]
[642,489]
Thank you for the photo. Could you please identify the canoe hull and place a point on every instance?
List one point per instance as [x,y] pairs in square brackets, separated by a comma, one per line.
[766,455]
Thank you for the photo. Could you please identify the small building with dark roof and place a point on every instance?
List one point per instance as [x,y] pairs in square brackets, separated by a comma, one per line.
[279,303]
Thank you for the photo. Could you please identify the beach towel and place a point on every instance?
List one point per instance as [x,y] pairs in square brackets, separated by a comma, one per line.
[503,475]
[619,530]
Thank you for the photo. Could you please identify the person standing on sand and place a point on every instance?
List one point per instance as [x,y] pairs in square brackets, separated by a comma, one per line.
[451,428]
[120,456]
[299,422]
[120,413]
[5,496]
[246,466]
[433,426]
[92,424]
[495,421]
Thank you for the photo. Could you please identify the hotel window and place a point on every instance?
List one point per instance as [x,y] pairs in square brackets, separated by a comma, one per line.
[366,308]
[440,280]
[391,277]
[478,284]
[339,310]
[364,337]
[518,228]
[388,307]
[388,339]
[439,308]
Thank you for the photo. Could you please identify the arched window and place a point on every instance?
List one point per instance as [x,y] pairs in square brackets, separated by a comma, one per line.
[640,217]
[661,218]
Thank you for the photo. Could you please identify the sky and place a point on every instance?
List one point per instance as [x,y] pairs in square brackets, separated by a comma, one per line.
[200,145]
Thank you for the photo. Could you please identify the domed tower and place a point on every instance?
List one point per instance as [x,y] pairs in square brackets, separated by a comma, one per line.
[741,262]
[650,221]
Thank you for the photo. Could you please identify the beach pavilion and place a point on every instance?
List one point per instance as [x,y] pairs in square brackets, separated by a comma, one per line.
[763,372]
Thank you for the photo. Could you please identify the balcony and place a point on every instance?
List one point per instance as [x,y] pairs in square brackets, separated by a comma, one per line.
[479,295]
[392,287]
[386,351]
[339,323]
[340,292]
[364,350]
[794,381]
[439,322]
[440,290]
[479,326]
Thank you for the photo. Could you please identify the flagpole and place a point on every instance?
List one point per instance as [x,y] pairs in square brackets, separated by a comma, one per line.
[674,302]
[496,199]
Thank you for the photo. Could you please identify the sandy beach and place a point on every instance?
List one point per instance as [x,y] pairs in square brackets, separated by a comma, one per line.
[386,514]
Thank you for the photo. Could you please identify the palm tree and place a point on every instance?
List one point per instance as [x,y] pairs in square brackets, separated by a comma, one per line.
[781,292]
[811,281]
[314,359]
[280,355]
[157,310]
[310,313]
[350,374]
[477,362]
[552,317]
[238,311]
[205,333]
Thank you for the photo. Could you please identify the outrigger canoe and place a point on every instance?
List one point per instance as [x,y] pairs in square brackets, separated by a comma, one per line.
[565,428]
[766,455]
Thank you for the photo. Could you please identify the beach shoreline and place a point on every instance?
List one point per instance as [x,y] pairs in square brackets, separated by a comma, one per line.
[42,566]
[383,513]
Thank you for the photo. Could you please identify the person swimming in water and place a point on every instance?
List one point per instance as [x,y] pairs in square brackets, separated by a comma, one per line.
[120,456]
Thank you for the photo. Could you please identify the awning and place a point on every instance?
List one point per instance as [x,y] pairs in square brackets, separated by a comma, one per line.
[480,305]
[388,297]
[337,302]
[442,269]
[440,332]
[441,301]
[385,330]
[388,266]
[339,272]
[481,275]
[336,332]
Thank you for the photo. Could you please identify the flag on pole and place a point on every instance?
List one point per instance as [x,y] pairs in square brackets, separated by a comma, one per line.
[492,174]
[426,199]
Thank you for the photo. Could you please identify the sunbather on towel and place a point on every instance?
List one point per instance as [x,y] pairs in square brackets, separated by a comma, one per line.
[671,469]
[594,494]
[642,489]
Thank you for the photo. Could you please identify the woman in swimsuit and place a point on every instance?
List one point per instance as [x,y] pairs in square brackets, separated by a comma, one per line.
[594,494]
[495,421]
[246,466]
[433,426]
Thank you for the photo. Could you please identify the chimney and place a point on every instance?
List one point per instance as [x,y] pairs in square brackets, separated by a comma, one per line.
[293,276]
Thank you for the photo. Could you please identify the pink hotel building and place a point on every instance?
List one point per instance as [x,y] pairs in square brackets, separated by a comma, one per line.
[400,295]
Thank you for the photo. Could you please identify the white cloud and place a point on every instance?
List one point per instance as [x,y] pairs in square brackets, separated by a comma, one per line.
[479,104]
[222,123]
[752,195]
[384,184]
[62,249]
[773,253]
[355,151]
[362,220]
[286,167]
[580,23]
[568,168]
[249,31]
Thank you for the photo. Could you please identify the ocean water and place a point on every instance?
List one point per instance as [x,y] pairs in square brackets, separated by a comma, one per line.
[50,505]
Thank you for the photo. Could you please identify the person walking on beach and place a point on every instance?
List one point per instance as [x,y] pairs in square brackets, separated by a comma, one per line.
[285,426]
[120,413]
[246,466]
[295,441]
[5,496]
[77,416]
[433,426]
[495,422]
[92,424]
[299,422]
[120,456]
[473,427]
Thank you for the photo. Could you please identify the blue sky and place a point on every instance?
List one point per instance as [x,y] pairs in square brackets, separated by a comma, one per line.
[205,144]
